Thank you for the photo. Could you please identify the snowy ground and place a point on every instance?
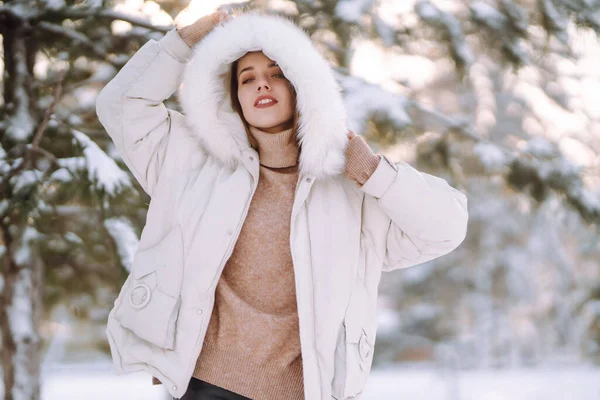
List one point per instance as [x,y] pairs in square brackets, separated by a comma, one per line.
[97,382]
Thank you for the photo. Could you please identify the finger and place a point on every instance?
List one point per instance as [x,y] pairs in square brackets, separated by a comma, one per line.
[223,15]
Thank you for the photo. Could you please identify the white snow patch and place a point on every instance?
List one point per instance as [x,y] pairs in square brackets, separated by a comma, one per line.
[490,155]
[20,311]
[411,382]
[364,101]
[61,175]
[101,168]
[125,238]
[55,4]
[352,10]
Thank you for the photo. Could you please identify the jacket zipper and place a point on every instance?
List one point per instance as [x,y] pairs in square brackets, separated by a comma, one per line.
[223,262]
[310,323]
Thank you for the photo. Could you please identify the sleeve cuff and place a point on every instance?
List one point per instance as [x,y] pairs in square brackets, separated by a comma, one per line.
[175,46]
[381,179]
[360,160]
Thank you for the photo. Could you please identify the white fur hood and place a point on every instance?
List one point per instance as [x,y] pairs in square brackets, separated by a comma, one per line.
[204,96]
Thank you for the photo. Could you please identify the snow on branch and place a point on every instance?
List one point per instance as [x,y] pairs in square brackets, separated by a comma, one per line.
[364,101]
[102,169]
[517,16]
[126,239]
[113,15]
[554,21]
[451,28]
[502,25]
[79,39]
[352,10]
[57,12]
[537,167]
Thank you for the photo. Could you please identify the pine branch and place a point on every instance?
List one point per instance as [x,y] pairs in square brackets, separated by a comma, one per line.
[528,172]
[33,16]
[112,15]
[78,38]
[34,146]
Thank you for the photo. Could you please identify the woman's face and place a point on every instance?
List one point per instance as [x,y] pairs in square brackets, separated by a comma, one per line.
[259,76]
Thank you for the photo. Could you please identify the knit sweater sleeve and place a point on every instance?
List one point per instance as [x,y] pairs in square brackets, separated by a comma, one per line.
[361,162]
[192,34]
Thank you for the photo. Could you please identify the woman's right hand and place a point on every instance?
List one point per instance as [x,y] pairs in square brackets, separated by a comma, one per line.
[194,32]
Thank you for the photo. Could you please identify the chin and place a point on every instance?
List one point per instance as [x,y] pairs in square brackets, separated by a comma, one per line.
[263,124]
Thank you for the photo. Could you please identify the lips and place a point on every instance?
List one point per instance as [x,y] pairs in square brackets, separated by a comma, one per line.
[264,97]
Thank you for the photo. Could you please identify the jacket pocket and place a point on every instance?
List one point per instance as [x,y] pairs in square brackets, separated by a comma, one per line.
[150,302]
[355,345]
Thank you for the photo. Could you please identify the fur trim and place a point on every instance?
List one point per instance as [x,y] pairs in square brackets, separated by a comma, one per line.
[204,96]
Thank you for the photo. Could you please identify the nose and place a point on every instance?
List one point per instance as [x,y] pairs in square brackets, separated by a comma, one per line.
[262,83]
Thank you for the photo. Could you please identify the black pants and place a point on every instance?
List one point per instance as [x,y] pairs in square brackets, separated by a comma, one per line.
[201,390]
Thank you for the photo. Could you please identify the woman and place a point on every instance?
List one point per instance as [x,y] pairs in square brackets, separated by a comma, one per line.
[269,223]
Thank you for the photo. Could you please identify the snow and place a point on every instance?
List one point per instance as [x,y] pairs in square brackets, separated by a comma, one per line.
[589,199]
[101,168]
[126,239]
[23,253]
[492,157]
[72,164]
[25,179]
[385,31]
[539,147]
[21,125]
[433,15]
[352,10]
[98,382]
[20,312]
[72,237]
[55,4]
[488,15]
[21,325]
[364,101]
[557,22]
[146,11]
[61,175]
[517,14]
[3,206]
[553,383]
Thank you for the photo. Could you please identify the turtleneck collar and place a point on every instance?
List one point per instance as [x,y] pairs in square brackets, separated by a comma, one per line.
[276,150]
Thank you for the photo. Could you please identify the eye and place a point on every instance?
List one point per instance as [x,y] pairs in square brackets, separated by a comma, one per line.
[247,80]
[280,76]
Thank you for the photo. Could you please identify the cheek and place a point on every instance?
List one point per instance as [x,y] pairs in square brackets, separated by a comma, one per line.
[288,96]
[245,99]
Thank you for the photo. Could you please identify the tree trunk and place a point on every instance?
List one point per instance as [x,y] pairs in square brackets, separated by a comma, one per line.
[21,289]
[20,302]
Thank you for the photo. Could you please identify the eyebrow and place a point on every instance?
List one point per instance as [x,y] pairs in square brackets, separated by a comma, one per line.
[273,64]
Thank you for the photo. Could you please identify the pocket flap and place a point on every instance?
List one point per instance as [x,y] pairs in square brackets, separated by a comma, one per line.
[152,320]
[168,251]
[359,319]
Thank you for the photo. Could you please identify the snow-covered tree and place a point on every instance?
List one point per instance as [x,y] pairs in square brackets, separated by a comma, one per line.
[68,209]
[497,96]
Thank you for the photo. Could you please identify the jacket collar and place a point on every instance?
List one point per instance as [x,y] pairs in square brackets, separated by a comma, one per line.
[204,96]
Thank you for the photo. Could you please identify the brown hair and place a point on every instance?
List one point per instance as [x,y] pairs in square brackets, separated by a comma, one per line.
[235,103]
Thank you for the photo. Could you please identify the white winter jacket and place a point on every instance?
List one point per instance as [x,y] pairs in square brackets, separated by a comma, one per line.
[201,173]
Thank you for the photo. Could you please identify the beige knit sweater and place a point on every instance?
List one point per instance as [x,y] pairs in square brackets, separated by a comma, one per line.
[252,345]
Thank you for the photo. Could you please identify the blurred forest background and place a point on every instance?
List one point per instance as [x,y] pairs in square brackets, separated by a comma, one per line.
[499,97]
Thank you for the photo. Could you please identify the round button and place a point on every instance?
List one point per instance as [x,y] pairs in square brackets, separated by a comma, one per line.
[229,232]
[174,387]
[139,295]
[251,158]
[199,311]
[364,347]
[307,179]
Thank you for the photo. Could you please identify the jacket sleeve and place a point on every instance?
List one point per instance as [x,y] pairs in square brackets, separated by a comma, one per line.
[131,109]
[427,217]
